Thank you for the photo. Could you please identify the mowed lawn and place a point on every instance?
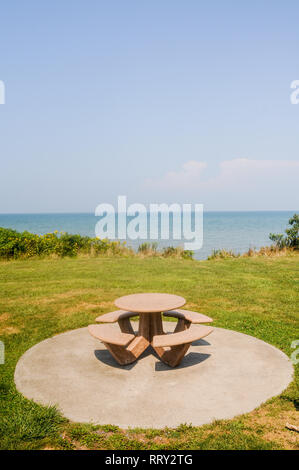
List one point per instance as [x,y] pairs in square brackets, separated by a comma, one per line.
[40,298]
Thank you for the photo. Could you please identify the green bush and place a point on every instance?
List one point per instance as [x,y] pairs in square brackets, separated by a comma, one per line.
[178,252]
[14,245]
[291,239]
[223,254]
[147,248]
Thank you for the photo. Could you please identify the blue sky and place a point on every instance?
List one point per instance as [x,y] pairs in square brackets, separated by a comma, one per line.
[162,101]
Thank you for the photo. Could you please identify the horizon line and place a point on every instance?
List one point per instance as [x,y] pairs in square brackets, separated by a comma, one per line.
[92,213]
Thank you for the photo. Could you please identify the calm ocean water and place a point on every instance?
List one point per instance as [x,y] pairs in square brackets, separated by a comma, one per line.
[236,231]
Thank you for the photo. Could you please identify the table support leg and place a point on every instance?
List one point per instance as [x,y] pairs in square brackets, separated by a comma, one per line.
[125,325]
[120,354]
[175,354]
[142,341]
[182,325]
[157,329]
[138,346]
[144,326]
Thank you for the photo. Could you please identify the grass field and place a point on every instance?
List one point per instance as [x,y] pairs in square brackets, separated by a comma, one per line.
[40,298]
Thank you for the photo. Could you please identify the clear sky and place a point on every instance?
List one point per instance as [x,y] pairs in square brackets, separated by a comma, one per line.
[162,101]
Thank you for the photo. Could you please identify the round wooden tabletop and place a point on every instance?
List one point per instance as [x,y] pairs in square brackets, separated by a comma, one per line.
[150,303]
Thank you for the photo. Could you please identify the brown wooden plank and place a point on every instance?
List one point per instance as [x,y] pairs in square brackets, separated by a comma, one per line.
[137,346]
[183,337]
[125,325]
[192,317]
[156,329]
[150,302]
[175,355]
[120,354]
[113,317]
[108,334]
[144,326]
[182,325]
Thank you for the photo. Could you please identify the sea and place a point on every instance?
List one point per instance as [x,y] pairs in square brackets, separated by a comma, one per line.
[237,231]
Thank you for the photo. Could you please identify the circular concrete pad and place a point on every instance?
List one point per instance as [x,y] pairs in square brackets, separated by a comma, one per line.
[225,375]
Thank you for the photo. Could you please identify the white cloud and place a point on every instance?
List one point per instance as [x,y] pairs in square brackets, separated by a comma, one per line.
[191,174]
[239,184]
[243,172]
[187,177]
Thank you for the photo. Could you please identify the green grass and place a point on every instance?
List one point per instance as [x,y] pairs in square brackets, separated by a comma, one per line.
[39,298]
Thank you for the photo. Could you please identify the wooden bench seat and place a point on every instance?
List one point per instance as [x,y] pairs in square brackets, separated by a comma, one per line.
[115,316]
[110,335]
[120,316]
[192,317]
[172,347]
[183,337]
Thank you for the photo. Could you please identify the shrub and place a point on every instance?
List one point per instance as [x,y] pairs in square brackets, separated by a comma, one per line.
[223,254]
[177,252]
[148,248]
[15,245]
[291,239]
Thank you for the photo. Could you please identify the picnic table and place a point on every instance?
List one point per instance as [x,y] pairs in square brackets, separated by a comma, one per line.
[126,346]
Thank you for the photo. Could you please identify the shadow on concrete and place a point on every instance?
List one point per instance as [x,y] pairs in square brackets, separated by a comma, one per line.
[201,342]
[189,360]
[104,356]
